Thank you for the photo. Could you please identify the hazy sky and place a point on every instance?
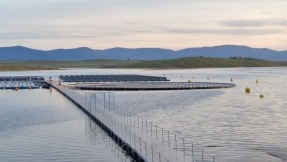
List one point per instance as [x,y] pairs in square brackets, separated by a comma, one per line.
[174,24]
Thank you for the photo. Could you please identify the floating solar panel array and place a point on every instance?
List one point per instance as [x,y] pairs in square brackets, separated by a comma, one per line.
[21,82]
[19,85]
[136,86]
[22,78]
[111,78]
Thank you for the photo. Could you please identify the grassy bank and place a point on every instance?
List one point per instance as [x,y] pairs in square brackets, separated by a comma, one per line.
[65,64]
[204,62]
[13,67]
[190,62]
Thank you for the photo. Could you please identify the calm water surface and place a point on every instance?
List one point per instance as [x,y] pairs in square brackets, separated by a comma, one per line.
[41,125]
[239,127]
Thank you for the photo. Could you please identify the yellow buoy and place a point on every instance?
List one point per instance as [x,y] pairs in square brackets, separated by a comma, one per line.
[247,90]
[257,81]
[207,78]
[189,81]
[261,96]
[231,79]
[192,77]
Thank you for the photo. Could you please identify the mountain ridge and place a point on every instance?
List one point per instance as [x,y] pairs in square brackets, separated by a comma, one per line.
[120,53]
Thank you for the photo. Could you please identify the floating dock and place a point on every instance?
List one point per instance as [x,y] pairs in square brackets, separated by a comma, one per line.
[78,99]
[21,82]
[148,86]
[143,140]
[22,78]
[19,85]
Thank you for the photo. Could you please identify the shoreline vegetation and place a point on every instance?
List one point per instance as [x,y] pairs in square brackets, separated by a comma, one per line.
[182,63]
[11,67]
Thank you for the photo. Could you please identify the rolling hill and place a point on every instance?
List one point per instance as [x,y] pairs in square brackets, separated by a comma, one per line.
[84,53]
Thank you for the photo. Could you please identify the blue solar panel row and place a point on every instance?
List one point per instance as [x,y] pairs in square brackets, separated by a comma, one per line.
[110,78]
[22,78]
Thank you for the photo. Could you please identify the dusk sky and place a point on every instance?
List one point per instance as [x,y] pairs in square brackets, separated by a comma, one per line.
[173,24]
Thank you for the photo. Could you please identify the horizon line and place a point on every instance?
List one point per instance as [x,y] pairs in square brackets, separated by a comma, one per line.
[142,47]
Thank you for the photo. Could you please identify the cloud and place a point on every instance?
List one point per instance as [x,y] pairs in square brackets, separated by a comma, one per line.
[27,35]
[244,23]
[131,23]
[237,32]
[63,34]
[255,23]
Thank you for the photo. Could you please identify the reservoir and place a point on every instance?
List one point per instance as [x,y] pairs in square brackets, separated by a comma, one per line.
[41,125]
[230,124]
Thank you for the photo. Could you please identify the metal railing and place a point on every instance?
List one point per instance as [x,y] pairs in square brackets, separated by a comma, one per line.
[151,141]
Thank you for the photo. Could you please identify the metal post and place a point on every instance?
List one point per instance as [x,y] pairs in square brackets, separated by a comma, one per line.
[116,126]
[168,138]
[213,159]
[183,147]
[109,122]
[138,122]
[140,145]
[152,154]
[146,125]
[130,137]
[135,141]
[95,104]
[142,123]
[115,122]
[121,129]
[156,131]
[115,101]
[104,101]
[151,128]
[85,99]
[159,157]
[90,107]
[94,108]
[162,134]
[126,133]
[134,120]
[109,101]
[145,149]
[175,142]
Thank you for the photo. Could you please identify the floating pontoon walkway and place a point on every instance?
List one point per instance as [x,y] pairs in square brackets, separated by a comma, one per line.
[110,78]
[136,86]
[141,139]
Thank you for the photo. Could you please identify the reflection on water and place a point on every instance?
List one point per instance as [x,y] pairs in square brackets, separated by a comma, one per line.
[39,125]
[232,125]
[95,134]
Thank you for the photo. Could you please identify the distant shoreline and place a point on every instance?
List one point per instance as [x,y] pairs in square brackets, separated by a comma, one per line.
[6,68]
[182,63]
